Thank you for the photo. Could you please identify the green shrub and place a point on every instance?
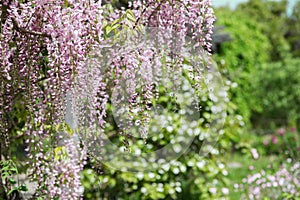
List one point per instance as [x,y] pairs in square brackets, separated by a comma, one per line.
[271,18]
[284,142]
[277,86]
[241,57]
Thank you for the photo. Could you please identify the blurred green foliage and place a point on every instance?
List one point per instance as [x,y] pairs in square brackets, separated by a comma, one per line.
[241,57]
[271,18]
[277,85]
[262,33]
[285,142]
[293,32]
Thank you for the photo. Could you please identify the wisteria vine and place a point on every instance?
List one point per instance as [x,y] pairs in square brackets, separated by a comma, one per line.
[44,48]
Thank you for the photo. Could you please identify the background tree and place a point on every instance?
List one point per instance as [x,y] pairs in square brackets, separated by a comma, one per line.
[271,17]
[293,32]
[241,57]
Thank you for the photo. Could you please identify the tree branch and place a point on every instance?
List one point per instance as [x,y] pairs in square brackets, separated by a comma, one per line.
[4,12]
[23,30]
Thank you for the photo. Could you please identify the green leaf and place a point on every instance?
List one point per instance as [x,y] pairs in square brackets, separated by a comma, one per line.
[23,188]
[130,16]
[12,181]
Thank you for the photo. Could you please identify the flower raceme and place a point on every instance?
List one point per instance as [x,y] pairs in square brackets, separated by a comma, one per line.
[186,17]
[43,46]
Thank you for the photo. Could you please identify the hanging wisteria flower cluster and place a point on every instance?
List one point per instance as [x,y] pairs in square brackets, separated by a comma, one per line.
[45,46]
[185,17]
[172,24]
